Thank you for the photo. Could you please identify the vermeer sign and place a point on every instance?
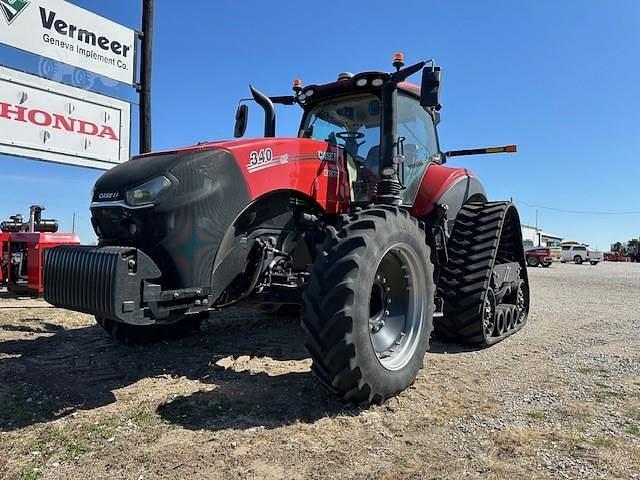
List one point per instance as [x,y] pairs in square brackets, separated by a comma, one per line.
[70,34]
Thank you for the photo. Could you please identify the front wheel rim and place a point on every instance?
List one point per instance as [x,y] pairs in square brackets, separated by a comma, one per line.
[397,306]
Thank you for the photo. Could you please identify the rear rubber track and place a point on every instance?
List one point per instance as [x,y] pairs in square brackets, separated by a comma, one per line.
[484,235]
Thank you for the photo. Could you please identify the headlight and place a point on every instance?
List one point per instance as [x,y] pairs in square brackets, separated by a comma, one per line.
[148,191]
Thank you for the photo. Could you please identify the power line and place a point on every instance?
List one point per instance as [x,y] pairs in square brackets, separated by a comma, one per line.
[578,212]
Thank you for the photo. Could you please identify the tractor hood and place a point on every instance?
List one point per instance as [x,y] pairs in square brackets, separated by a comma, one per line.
[201,192]
[177,205]
[113,185]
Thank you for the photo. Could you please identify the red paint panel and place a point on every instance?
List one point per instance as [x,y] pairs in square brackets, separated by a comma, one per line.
[311,167]
[435,182]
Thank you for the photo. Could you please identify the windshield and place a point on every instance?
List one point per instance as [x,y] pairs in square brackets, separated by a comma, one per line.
[352,123]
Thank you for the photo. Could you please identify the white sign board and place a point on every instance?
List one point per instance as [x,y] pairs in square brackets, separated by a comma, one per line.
[48,121]
[70,34]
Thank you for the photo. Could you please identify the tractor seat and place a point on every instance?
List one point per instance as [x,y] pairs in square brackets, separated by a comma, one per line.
[373,158]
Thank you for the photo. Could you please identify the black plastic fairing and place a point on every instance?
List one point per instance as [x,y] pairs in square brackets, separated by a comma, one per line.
[464,190]
[182,232]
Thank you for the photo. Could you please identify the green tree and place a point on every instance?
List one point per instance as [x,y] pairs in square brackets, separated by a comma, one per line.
[618,248]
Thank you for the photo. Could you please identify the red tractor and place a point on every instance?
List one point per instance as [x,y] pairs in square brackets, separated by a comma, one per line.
[357,219]
[24,248]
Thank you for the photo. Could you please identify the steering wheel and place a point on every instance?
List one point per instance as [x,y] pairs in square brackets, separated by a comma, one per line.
[346,135]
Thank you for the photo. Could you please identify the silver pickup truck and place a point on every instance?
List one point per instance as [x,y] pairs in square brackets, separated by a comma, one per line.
[579,254]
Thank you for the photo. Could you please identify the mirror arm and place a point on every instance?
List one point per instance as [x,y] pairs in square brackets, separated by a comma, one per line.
[402,75]
[481,151]
[286,100]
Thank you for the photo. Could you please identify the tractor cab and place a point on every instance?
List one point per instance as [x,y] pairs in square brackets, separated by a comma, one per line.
[349,114]
[385,126]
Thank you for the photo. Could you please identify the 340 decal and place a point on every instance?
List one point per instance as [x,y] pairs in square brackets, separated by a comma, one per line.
[257,158]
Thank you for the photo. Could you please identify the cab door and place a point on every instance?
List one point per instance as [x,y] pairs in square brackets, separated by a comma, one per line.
[416,133]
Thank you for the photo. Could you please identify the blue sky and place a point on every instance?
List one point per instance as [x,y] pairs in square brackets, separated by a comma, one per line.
[560,79]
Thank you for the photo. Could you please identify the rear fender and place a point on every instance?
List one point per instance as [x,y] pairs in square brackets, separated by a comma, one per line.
[447,186]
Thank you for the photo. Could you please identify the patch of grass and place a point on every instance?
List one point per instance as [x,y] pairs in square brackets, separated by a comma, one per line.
[539,416]
[602,396]
[146,419]
[75,449]
[602,443]
[72,443]
[19,408]
[147,423]
[580,428]
[218,408]
[634,413]
[206,406]
[598,370]
[104,429]
[30,473]
[633,430]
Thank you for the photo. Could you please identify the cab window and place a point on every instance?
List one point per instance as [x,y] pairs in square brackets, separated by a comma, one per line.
[420,143]
[353,123]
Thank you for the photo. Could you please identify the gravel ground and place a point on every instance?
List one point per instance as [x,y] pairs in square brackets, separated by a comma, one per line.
[560,399]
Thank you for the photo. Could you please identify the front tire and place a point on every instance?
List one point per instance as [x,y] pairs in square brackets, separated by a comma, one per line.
[533,261]
[578,260]
[369,305]
[145,334]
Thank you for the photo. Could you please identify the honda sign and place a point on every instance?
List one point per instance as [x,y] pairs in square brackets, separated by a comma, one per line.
[48,121]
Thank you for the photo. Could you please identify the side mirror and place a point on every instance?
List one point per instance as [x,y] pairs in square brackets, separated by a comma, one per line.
[242,117]
[430,90]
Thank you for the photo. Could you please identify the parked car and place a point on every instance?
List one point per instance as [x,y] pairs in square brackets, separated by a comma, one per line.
[537,256]
[579,254]
[615,257]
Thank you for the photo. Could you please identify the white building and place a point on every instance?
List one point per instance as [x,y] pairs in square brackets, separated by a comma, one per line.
[535,237]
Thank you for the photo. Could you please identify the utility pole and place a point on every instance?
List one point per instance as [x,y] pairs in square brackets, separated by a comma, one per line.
[537,232]
[145,75]
[73,225]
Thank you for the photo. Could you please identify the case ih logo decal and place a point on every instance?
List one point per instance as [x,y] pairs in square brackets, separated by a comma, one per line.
[327,156]
[109,196]
[42,118]
[12,8]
